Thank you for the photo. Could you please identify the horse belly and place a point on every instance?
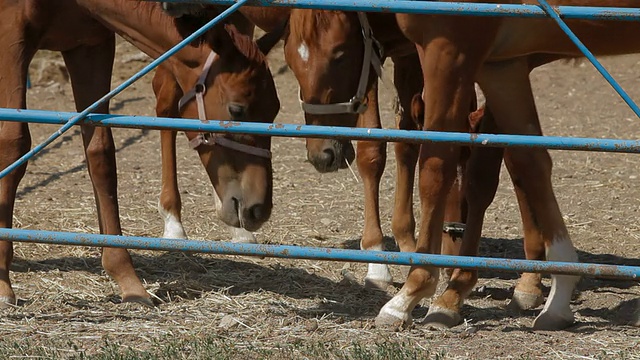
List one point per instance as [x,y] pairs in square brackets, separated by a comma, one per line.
[521,37]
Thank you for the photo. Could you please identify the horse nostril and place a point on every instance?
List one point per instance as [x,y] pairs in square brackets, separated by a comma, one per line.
[237,111]
[328,156]
[256,213]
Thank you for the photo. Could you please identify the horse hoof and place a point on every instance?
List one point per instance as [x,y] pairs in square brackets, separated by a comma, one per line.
[376,284]
[441,318]
[7,302]
[145,301]
[390,322]
[553,321]
[525,301]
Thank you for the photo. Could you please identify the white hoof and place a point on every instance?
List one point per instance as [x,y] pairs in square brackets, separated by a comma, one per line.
[548,320]
[392,319]
[378,277]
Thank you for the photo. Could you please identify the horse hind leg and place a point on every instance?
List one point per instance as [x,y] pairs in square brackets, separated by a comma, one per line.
[371,158]
[168,94]
[90,71]
[508,91]
[15,140]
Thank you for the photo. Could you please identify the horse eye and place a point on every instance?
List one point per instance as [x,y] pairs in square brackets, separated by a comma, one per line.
[338,55]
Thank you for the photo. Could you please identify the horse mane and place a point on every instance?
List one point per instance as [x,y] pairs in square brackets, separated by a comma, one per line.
[187,24]
[183,26]
[245,44]
[307,23]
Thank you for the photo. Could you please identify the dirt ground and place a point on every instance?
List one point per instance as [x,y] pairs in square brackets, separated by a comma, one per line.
[69,305]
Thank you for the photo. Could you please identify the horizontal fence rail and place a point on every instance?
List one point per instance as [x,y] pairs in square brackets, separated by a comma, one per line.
[441,8]
[312,253]
[316,131]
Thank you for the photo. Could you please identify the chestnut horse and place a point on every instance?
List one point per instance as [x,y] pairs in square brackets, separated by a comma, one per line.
[239,83]
[453,55]
[336,56]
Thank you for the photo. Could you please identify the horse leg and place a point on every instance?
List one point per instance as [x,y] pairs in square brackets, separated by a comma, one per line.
[410,116]
[371,157]
[15,139]
[508,91]
[90,71]
[168,93]
[449,64]
[480,185]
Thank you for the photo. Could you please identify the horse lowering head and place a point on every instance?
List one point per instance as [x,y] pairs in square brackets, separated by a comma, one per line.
[238,87]
[325,51]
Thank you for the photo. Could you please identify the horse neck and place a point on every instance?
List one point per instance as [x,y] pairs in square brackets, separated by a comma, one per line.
[386,31]
[150,30]
[266,18]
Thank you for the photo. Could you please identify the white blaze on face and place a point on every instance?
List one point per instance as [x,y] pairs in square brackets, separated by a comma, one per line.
[303,51]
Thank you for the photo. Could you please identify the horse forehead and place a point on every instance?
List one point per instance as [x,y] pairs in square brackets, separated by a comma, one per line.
[303,51]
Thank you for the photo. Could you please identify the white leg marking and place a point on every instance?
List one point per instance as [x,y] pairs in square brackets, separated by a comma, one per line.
[173,228]
[303,51]
[240,235]
[399,307]
[562,286]
[378,273]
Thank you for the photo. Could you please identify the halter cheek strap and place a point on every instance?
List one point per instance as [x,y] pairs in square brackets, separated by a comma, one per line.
[210,139]
[357,104]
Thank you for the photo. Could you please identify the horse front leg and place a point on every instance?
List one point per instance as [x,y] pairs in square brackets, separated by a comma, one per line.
[479,185]
[90,71]
[15,140]
[371,157]
[168,93]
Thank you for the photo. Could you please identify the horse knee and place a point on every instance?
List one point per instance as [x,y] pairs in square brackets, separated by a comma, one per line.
[371,157]
[100,154]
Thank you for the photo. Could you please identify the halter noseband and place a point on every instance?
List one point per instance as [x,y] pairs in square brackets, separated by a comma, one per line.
[209,139]
[357,104]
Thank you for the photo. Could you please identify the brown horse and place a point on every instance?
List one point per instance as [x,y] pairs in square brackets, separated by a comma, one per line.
[272,21]
[335,56]
[239,85]
[453,55]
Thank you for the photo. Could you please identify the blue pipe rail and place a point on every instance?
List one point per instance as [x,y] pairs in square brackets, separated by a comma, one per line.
[312,253]
[75,120]
[316,131]
[441,8]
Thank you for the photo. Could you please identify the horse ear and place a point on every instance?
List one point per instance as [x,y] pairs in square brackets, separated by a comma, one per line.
[270,39]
